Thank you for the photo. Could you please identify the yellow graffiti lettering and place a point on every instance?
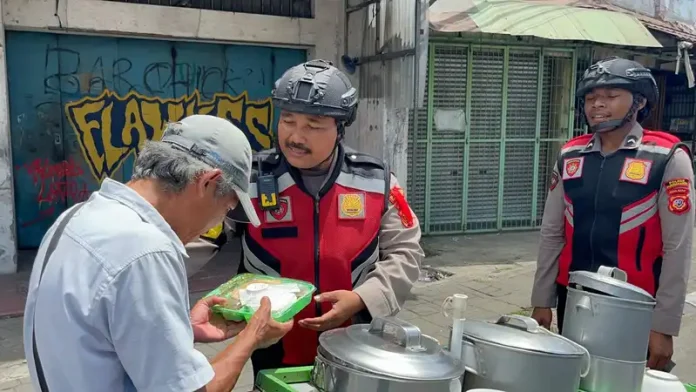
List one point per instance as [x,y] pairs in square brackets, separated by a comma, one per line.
[268,203]
[111,127]
[134,130]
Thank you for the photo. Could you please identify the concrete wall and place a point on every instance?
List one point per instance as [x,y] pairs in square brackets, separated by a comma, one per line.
[321,36]
[324,33]
[381,126]
[8,243]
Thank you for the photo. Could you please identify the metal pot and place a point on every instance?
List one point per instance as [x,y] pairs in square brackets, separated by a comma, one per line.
[515,354]
[612,319]
[388,355]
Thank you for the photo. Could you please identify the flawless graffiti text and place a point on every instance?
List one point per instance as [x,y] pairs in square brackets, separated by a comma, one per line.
[111,127]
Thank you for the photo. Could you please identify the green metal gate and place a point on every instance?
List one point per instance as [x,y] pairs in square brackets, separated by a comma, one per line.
[493,122]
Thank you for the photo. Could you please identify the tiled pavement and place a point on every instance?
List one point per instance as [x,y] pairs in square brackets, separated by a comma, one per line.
[494,287]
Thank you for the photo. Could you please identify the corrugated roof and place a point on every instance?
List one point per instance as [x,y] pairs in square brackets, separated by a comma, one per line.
[551,19]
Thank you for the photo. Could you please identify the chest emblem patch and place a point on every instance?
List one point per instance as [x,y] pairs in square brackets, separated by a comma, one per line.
[572,168]
[351,206]
[636,171]
[281,214]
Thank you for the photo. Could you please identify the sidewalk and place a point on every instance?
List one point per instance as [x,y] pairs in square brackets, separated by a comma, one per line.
[480,270]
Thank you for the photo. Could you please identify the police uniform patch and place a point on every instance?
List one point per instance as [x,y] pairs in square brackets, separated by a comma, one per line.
[572,168]
[554,181]
[636,171]
[677,186]
[398,200]
[678,191]
[281,214]
[679,204]
[351,206]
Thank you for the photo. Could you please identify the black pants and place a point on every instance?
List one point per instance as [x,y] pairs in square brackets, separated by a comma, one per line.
[562,293]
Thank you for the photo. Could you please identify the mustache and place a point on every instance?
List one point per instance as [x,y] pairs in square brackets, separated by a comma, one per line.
[298,147]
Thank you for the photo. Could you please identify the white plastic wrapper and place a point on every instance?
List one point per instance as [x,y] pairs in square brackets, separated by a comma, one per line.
[280,295]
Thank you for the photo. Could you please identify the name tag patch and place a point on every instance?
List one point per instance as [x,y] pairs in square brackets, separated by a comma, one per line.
[572,168]
[351,206]
[636,171]
[281,214]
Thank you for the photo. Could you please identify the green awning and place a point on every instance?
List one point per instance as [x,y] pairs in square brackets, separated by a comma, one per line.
[550,19]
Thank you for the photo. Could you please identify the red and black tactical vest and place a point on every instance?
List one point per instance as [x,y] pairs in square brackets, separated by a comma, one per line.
[611,210]
[331,241]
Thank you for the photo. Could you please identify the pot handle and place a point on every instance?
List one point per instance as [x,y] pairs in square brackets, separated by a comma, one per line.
[526,323]
[412,334]
[585,304]
[613,272]
[531,325]
[470,357]
[586,354]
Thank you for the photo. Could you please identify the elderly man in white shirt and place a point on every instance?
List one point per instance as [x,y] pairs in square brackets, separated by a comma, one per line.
[108,304]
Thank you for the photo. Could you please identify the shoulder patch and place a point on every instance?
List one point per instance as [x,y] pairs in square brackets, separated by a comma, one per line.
[554,181]
[398,200]
[678,191]
[677,186]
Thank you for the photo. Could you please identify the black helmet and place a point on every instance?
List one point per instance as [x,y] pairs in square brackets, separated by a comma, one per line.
[621,73]
[317,87]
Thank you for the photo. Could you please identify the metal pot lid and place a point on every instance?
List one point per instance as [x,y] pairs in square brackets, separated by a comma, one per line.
[521,333]
[393,348]
[610,281]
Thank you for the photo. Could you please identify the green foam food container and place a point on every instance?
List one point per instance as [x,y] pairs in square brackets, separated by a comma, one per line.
[243,292]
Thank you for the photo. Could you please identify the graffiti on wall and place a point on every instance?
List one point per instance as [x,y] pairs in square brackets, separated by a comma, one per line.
[77,76]
[110,127]
[57,183]
[82,107]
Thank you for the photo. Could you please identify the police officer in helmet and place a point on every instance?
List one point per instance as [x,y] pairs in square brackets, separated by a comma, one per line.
[622,197]
[317,103]
[329,215]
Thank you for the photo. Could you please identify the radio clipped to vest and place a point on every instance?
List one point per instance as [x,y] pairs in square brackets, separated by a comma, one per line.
[267,186]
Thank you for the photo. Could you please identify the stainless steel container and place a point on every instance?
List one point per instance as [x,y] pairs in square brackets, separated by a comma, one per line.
[612,319]
[388,355]
[515,354]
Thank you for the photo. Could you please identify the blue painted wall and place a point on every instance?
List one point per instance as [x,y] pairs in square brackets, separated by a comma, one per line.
[81,107]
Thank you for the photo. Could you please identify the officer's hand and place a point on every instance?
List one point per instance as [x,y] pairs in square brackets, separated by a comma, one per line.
[262,330]
[543,316]
[345,305]
[661,349]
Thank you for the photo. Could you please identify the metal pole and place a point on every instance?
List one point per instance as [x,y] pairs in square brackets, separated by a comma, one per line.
[346,20]
[416,84]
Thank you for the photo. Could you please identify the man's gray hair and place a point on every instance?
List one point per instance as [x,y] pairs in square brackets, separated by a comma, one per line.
[174,169]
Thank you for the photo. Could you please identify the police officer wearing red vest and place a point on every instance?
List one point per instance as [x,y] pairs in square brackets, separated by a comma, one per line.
[621,196]
[329,215]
